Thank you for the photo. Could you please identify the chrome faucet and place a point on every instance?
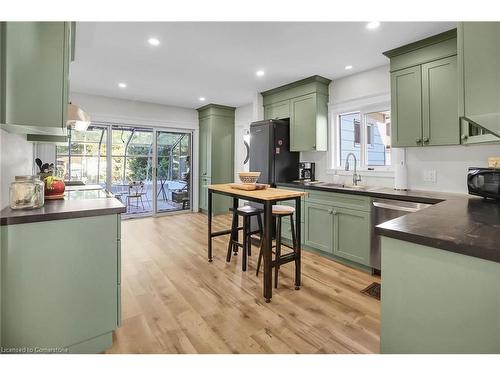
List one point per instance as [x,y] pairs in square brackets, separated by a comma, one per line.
[355,177]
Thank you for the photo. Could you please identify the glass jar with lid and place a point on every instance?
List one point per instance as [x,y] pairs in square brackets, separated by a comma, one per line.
[26,192]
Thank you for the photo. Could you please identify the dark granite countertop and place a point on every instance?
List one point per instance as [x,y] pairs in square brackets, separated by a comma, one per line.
[459,223]
[419,196]
[73,206]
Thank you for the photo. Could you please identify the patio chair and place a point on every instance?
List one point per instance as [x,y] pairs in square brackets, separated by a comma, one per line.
[136,191]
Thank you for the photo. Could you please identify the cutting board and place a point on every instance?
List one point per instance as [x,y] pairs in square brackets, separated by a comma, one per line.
[249,187]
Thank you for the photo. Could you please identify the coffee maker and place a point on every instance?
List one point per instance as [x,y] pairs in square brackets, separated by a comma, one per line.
[306,171]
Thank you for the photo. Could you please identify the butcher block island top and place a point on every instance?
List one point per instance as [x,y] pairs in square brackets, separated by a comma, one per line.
[269,194]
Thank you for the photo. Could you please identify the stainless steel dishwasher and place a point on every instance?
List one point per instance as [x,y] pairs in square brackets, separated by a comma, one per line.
[385,210]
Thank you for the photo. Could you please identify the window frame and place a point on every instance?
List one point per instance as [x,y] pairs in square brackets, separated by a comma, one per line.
[363,107]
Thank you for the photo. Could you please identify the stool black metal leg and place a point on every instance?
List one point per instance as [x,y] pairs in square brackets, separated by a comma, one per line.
[297,249]
[278,251]
[236,234]
[245,243]
[234,228]
[294,237]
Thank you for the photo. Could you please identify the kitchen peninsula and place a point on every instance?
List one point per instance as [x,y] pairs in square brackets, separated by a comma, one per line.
[60,274]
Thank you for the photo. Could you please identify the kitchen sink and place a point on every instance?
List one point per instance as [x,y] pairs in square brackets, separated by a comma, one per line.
[343,186]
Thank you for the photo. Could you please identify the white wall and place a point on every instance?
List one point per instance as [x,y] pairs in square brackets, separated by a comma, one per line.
[16,158]
[450,164]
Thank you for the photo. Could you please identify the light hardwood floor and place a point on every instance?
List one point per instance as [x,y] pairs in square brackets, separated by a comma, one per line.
[174,301]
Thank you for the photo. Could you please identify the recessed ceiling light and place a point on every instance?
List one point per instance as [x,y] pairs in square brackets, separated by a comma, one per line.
[122,85]
[201,99]
[259,73]
[348,67]
[154,41]
[372,25]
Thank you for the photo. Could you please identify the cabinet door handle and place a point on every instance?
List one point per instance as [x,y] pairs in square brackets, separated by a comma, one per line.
[330,211]
[334,212]
[464,137]
[426,140]
[418,141]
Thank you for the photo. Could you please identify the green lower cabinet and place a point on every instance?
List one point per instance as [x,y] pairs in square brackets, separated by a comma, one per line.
[318,227]
[335,230]
[435,301]
[351,235]
[286,231]
[60,284]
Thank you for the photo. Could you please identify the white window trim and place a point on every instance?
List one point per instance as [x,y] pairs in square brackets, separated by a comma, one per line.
[364,106]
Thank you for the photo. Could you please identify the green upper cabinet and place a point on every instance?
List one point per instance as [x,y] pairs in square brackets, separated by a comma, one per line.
[34,88]
[216,160]
[479,80]
[424,92]
[439,104]
[305,103]
[406,107]
[277,111]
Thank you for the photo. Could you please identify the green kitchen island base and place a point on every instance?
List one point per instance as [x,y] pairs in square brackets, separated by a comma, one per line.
[437,301]
[61,282]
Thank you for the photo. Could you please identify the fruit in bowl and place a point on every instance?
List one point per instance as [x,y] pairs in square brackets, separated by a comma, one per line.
[54,186]
[249,177]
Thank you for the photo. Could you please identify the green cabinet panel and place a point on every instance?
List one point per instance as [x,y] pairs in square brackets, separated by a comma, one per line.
[303,123]
[406,107]
[305,102]
[280,110]
[203,201]
[216,160]
[35,66]
[351,233]
[318,227]
[59,282]
[205,147]
[424,87]
[439,102]
[2,73]
[453,306]
[352,201]
[479,80]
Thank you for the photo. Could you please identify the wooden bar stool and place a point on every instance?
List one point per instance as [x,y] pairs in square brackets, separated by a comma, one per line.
[279,212]
[246,212]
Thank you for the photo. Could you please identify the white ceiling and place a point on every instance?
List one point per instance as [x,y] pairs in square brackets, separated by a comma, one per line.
[218,60]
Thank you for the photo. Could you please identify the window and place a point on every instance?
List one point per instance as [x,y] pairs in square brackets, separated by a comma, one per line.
[365,134]
[84,157]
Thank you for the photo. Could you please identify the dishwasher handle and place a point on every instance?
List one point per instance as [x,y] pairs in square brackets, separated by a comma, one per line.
[396,207]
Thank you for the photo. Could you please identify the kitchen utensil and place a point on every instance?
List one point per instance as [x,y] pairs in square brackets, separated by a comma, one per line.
[249,187]
[249,177]
[39,163]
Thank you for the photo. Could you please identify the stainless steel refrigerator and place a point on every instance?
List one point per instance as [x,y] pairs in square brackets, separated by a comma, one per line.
[270,152]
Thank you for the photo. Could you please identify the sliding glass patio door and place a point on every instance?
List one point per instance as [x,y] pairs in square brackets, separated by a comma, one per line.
[148,169]
[132,168]
[173,171]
